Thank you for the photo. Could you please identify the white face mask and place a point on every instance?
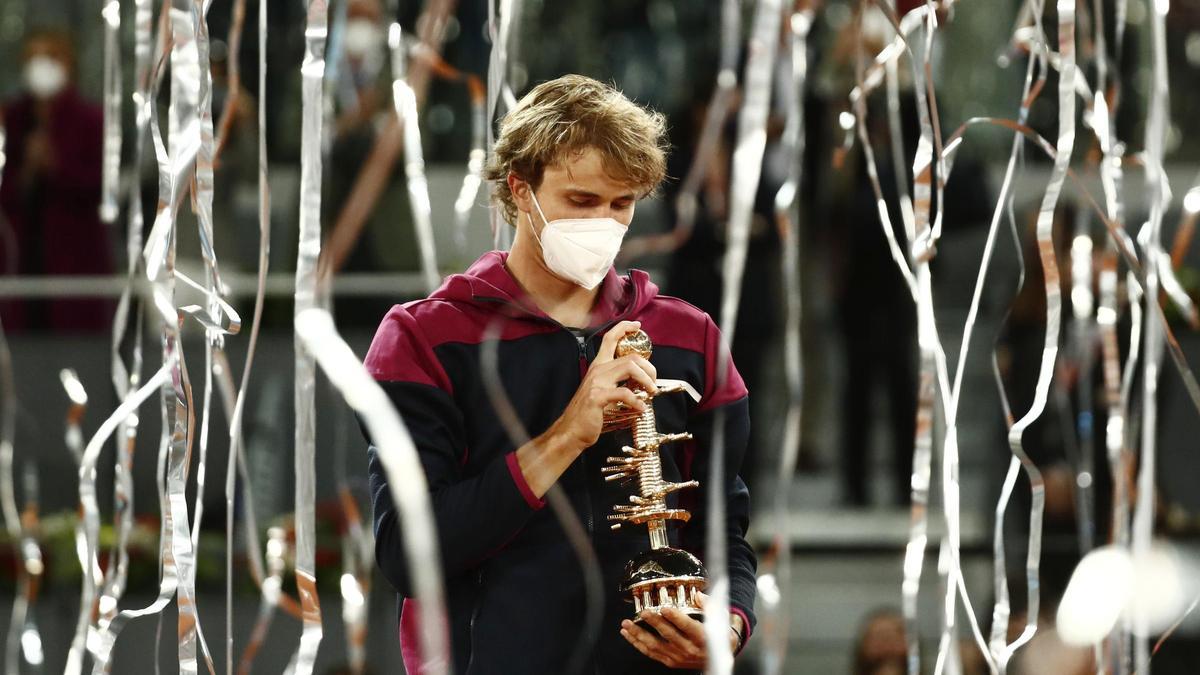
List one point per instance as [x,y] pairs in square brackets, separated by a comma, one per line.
[44,76]
[580,250]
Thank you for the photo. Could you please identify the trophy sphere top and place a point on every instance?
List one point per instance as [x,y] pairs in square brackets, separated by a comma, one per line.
[635,342]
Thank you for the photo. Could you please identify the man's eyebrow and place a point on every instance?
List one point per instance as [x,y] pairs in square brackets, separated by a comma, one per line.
[579,192]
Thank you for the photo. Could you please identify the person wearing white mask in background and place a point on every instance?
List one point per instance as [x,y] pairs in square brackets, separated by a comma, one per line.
[50,191]
[571,160]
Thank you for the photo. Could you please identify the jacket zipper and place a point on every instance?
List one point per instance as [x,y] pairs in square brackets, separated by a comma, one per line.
[587,490]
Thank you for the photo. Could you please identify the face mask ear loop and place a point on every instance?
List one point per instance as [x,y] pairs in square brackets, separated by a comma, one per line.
[539,210]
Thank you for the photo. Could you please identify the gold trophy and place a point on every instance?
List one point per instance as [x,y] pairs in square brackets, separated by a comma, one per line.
[663,576]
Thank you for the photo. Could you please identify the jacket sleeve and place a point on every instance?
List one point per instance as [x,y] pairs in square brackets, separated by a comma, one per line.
[475,514]
[721,423]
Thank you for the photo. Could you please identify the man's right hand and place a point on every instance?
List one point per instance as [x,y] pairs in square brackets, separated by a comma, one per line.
[546,457]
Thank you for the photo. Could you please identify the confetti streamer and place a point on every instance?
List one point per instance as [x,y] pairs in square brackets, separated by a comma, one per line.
[8,498]
[560,504]
[716,114]
[233,60]
[23,639]
[127,377]
[110,176]
[74,442]
[1150,238]
[309,249]
[793,87]
[405,101]
[316,332]
[500,21]
[276,550]
[746,172]
[91,513]
[270,592]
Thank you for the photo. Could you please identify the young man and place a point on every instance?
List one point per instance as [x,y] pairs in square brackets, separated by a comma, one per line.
[571,161]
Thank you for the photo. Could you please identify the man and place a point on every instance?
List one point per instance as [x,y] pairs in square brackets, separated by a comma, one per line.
[50,191]
[572,159]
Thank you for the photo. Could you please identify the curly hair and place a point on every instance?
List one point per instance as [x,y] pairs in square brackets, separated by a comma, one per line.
[566,116]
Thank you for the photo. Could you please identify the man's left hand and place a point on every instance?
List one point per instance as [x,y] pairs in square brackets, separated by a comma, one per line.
[680,642]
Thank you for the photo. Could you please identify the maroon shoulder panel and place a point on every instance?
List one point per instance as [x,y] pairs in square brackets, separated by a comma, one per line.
[672,322]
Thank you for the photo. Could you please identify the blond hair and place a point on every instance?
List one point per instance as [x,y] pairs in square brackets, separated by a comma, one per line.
[566,116]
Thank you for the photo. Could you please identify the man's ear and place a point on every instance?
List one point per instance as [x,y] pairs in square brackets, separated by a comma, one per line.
[520,192]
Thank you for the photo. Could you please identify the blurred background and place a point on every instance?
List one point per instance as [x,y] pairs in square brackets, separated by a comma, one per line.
[848,512]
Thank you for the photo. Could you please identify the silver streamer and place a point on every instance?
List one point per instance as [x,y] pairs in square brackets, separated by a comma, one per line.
[29,580]
[796,67]
[1066,138]
[746,172]
[316,332]
[405,101]
[499,29]
[176,162]
[236,440]
[717,113]
[560,504]
[1150,238]
[312,72]
[271,585]
[23,641]
[8,497]
[126,378]
[475,163]
[91,519]
[110,177]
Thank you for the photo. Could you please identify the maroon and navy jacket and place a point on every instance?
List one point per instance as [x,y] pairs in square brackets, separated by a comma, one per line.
[515,590]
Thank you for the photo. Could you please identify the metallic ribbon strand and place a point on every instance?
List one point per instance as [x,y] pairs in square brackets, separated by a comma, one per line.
[110,175]
[1150,238]
[746,172]
[796,67]
[316,332]
[568,519]
[405,101]
[309,249]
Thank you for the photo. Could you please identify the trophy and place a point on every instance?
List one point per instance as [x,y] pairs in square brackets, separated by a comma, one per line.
[663,576]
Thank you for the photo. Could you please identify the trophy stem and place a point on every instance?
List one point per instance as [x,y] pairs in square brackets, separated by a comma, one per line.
[658,533]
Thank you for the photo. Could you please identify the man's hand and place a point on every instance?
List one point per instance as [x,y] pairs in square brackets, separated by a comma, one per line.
[545,458]
[680,642]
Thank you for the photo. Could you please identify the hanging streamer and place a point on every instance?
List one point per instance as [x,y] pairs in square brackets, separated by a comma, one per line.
[23,641]
[312,72]
[746,172]
[720,106]
[792,92]
[499,30]
[316,332]
[110,174]
[405,101]
[560,504]
[1150,238]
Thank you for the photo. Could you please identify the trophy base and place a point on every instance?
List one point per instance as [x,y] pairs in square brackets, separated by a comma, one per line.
[662,578]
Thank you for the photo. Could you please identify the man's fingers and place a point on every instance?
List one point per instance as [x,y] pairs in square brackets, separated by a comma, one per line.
[666,631]
[630,369]
[608,345]
[641,639]
[646,366]
[689,628]
[626,396]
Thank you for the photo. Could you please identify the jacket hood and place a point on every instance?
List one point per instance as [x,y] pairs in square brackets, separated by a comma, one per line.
[487,282]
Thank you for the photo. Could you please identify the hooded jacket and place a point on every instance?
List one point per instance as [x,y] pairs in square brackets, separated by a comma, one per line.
[515,586]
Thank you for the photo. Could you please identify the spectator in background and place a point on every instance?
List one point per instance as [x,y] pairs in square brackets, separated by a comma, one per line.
[881,648]
[50,195]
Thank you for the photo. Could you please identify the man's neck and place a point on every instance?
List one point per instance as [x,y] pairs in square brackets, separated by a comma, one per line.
[563,301]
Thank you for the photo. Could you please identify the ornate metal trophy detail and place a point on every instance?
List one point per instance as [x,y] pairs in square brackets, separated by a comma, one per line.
[663,576]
